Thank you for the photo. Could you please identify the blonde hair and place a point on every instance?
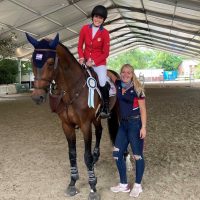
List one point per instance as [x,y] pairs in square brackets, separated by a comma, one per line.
[136,83]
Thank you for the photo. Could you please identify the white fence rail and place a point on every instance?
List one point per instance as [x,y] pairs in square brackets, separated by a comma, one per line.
[8,89]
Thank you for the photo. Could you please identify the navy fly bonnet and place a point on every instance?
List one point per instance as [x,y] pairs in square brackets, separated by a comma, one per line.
[44,49]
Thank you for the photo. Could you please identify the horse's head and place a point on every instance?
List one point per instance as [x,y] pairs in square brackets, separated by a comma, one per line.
[44,62]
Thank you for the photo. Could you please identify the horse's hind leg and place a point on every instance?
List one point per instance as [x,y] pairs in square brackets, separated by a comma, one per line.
[98,133]
[71,139]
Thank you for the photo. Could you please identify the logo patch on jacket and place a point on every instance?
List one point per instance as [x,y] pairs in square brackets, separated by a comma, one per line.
[99,39]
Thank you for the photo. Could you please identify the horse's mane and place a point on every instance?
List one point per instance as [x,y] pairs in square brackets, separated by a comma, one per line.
[68,51]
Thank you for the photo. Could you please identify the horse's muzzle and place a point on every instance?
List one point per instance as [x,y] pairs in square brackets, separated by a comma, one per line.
[39,98]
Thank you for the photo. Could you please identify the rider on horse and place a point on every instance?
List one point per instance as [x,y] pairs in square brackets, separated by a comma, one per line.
[93,49]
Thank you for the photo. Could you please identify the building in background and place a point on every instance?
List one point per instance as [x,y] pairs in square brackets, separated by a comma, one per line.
[149,75]
[187,68]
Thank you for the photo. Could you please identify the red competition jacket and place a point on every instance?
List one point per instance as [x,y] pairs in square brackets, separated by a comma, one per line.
[97,48]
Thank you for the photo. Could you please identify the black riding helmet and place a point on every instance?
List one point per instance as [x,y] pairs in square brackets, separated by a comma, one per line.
[100,10]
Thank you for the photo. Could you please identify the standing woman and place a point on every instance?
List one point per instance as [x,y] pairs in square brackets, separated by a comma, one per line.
[93,50]
[132,130]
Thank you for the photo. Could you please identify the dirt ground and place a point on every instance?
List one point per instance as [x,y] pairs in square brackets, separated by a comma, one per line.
[34,160]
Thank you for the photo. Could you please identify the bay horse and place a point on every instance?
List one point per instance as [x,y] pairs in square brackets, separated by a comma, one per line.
[53,63]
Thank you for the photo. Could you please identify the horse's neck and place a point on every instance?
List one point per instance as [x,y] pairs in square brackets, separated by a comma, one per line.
[69,70]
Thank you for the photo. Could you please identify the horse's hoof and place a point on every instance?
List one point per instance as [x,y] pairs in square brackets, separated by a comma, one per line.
[71,191]
[94,196]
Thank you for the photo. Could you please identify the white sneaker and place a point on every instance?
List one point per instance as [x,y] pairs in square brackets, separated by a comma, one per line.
[137,189]
[120,188]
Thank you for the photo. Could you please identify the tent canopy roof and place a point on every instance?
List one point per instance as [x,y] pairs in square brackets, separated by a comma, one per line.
[168,25]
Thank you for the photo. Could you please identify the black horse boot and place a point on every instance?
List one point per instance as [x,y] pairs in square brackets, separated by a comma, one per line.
[105,94]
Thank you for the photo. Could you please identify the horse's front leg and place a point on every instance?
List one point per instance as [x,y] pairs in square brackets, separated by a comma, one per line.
[98,133]
[87,134]
[71,139]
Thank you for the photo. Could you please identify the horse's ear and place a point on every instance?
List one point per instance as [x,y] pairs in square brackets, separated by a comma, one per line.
[54,42]
[32,40]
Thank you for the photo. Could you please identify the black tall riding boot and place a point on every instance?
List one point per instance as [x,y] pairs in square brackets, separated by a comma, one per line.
[105,94]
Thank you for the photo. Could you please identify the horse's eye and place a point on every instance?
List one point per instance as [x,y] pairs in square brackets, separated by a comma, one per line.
[51,64]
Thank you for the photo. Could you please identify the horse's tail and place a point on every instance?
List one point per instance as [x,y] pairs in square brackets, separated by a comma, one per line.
[113,123]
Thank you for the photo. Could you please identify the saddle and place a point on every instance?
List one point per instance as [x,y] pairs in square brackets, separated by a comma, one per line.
[112,76]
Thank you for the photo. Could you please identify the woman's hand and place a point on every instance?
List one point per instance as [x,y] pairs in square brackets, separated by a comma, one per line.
[143,132]
[143,113]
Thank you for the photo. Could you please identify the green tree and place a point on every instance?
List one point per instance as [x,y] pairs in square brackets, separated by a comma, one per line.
[8,71]
[7,46]
[26,67]
[167,61]
[197,72]
[141,59]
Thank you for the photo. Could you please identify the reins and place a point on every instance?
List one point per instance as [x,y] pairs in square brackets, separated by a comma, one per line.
[74,92]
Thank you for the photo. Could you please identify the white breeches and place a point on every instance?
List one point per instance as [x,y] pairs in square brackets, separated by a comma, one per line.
[102,74]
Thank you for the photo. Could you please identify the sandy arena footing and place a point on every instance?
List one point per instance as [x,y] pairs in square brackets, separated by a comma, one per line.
[34,154]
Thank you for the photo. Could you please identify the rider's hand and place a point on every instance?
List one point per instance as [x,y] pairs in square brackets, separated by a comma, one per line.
[90,63]
[81,61]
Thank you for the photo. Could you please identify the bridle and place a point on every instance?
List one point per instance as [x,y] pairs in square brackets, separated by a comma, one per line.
[46,88]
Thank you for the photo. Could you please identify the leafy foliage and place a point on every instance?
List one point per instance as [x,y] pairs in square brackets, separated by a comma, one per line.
[8,71]
[197,72]
[7,47]
[167,61]
[146,59]
[26,67]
